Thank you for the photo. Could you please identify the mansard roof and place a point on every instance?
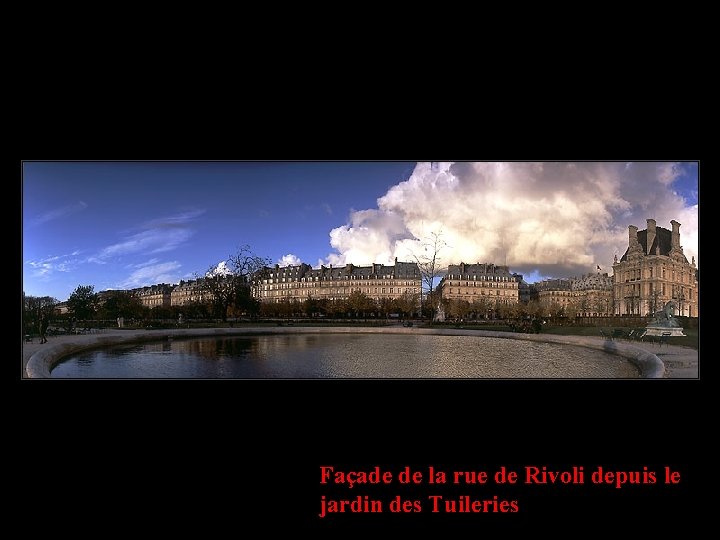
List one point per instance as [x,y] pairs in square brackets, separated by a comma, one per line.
[663,240]
[398,270]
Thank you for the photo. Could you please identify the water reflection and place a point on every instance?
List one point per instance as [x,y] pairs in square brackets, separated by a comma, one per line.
[346,356]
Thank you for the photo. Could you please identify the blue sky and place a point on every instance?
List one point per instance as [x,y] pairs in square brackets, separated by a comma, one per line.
[121,225]
[116,225]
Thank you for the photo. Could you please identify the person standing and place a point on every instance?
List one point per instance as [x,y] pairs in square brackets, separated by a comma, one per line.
[43,329]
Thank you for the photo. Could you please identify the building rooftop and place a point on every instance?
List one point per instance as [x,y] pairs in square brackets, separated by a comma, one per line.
[401,270]
[463,269]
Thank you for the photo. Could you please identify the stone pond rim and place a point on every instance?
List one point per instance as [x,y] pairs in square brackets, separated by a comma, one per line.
[41,363]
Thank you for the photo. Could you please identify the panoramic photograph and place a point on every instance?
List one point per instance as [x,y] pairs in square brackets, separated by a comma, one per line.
[359,270]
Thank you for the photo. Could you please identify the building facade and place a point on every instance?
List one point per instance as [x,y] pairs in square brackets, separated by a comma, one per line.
[475,282]
[555,294]
[525,290]
[654,271]
[188,292]
[593,295]
[298,283]
[590,295]
[155,295]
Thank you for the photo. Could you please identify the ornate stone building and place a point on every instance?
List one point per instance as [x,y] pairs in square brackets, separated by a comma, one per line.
[475,282]
[653,271]
[300,282]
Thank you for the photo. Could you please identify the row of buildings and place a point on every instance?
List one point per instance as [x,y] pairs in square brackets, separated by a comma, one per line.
[298,283]
[652,271]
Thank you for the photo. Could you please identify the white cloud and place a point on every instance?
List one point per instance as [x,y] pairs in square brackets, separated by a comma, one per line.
[289,260]
[57,213]
[43,268]
[546,218]
[159,235]
[166,272]
[151,241]
[220,269]
[371,236]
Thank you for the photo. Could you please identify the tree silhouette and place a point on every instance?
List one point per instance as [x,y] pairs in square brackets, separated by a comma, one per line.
[430,265]
[233,286]
[82,302]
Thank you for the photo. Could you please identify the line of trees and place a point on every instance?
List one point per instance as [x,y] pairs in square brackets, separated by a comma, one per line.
[229,294]
[357,305]
[33,309]
[484,308]
[83,305]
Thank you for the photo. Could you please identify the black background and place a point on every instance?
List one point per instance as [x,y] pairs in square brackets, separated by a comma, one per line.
[208,457]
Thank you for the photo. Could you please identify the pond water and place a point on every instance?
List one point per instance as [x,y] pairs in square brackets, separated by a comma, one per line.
[369,356]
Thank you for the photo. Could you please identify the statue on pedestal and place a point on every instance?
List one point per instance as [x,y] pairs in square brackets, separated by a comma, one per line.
[664,323]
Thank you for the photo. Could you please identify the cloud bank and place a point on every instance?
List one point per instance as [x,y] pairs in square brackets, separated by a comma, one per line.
[545,219]
[289,260]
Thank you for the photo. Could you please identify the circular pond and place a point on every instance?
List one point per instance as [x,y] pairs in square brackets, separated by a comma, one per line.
[366,356]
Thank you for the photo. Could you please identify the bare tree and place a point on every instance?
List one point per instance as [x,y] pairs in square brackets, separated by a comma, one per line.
[233,287]
[430,265]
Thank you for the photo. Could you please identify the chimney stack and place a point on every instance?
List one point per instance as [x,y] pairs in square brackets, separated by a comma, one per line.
[651,233]
[675,238]
[632,235]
